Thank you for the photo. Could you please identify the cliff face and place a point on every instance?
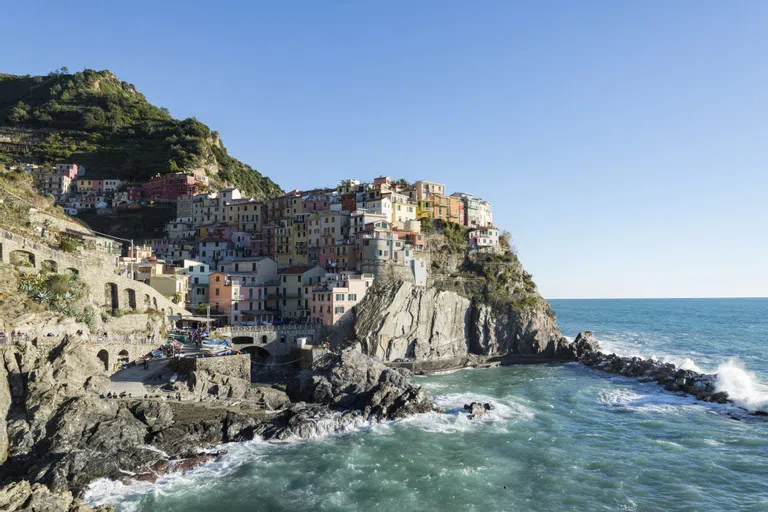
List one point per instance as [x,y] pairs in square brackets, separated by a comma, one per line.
[400,320]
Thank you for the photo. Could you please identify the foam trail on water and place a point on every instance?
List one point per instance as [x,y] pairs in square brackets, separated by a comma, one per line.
[742,386]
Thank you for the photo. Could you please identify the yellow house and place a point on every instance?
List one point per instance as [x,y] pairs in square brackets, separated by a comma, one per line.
[425,209]
[403,211]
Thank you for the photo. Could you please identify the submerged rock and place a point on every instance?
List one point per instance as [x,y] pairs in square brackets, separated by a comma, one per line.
[476,409]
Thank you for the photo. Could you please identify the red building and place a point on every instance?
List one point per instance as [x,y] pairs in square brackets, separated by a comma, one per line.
[170,187]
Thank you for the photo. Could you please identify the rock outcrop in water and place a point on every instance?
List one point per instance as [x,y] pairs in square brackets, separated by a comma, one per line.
[399,320]
[586,349]
[357,388]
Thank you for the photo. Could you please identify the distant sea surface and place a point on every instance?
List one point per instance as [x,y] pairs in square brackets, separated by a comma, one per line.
[562,437]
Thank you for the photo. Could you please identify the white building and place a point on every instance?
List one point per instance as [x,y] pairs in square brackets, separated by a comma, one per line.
[484,240]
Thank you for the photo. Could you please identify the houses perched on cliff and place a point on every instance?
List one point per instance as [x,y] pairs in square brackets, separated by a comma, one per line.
[76,191]
[304,256]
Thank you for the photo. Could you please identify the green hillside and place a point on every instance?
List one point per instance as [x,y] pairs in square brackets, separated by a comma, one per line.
[94,119]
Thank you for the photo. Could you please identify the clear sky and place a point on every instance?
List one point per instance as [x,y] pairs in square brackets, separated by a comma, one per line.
[622,143]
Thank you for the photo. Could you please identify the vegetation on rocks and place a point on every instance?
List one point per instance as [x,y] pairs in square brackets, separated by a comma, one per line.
[95,119]
[497,280]
[60,293]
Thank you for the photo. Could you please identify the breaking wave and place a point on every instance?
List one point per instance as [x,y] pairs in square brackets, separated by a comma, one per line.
[742,386]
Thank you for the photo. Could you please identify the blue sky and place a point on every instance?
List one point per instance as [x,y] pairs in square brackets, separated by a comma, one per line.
[622,143]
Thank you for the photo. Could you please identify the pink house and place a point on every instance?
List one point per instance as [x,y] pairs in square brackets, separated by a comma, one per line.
[330,303]
[68,170]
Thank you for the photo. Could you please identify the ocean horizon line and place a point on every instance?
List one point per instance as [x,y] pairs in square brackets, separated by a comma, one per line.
[658,298]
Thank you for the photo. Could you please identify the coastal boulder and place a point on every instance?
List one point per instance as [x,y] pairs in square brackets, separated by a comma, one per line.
[475,410]
[584,345]
[352,380]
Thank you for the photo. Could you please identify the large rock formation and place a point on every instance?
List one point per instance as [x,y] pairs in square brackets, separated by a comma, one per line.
[402,321]
[357,388]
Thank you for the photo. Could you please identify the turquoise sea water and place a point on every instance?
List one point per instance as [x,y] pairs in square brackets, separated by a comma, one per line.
[562,437]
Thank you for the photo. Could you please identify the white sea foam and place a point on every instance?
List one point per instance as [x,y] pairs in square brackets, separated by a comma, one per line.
[655,401]
[619,397]
[455,418]
[103,490]
[742,386]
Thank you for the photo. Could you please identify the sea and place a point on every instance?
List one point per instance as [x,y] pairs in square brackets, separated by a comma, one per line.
[561,436]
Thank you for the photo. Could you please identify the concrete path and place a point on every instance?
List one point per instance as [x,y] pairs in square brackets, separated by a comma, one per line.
[131,380]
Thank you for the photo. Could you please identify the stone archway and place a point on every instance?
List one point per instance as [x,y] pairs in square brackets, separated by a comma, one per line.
[264,339]
[103,356]
[123,357]
[130,299]
[111,297]
[21,258]
[258,354]
[49,266]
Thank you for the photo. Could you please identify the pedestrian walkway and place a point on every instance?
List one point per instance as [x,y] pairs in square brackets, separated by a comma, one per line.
[131,380]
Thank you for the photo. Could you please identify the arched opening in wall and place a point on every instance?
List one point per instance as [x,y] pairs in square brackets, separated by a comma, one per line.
[22,259]
[242,340]
[1,252]
[258,354]
[154,303]
[103,356]
[282,339]
[111,300]
[147,301]
[49,266]
[73,271]
[130,295]
[264,339]
[122,357]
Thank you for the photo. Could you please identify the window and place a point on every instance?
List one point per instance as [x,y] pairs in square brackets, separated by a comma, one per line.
[299,278]
[237,306]
[218,278]
[352,296]
[339,309]
[217,292]
[285,280]
[339,296]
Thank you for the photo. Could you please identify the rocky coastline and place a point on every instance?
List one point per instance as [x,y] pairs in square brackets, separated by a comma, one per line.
[586,350]
[61,433]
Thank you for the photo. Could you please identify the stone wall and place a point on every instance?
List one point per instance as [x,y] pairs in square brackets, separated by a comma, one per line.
[107,289]
[233,366]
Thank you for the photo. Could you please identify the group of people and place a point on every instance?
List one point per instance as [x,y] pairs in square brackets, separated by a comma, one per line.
[195,337]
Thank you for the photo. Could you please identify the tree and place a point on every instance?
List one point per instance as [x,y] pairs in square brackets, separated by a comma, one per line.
[507,243]
[64,70]
[173,166]
[19,113]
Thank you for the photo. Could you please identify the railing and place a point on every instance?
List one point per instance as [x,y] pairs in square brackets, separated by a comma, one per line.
[126,339]
[264,328]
